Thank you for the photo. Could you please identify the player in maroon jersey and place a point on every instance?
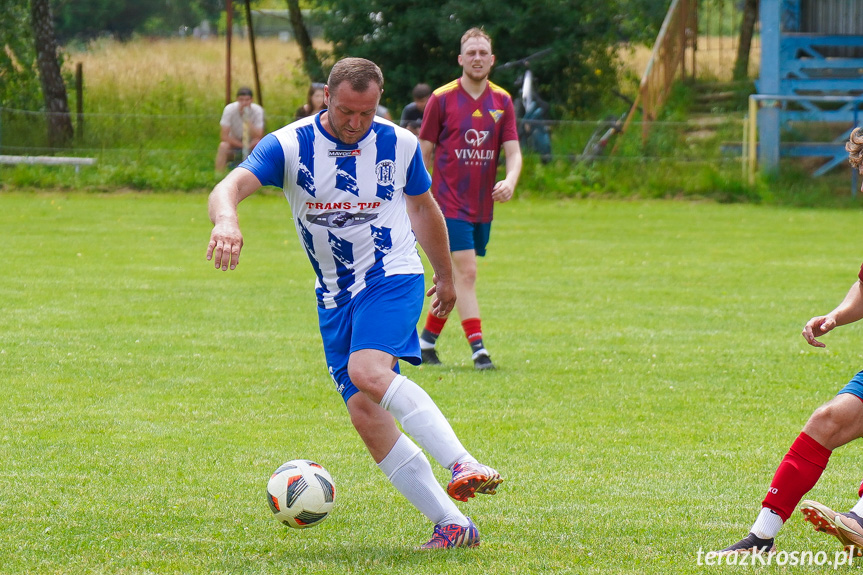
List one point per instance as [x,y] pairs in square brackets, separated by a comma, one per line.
[837,422]
[465,125]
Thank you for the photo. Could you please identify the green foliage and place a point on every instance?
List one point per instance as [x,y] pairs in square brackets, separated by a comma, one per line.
[85,19]
[19,77]
[419,42]
[640,20]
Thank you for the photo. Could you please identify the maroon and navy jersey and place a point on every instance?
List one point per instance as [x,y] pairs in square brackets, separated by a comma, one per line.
[468,135]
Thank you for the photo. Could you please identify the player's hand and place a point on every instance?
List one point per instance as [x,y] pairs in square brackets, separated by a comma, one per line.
[444,300]
[226,241]
[502,191]
[816,327]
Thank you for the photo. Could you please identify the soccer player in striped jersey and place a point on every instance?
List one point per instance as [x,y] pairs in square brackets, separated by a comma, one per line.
[834,424]
[465,125]
[358,193]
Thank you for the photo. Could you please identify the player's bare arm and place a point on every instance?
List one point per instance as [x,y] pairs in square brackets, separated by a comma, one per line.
[226,240]
[427,149]
[849,311]
[505,189]
[429,227]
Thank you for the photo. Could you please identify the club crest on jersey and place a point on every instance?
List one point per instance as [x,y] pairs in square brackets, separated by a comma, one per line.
[386,172]
[343,153]
[496,115]
[340,219]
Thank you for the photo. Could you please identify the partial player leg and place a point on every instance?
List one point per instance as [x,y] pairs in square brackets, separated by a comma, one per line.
[421,418]
[467,305]
[407,468]
[428,338]
[833,424]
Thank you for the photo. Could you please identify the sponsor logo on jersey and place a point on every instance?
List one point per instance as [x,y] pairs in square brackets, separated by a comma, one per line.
[468,154]
[475,155]
[475,137]
[340,219]
[343,153]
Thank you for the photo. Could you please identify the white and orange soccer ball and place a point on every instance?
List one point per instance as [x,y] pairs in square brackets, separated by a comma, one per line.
[301,493]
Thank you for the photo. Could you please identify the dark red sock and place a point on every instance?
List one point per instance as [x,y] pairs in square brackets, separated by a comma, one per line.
[797,474]
[434,324]
[472,329]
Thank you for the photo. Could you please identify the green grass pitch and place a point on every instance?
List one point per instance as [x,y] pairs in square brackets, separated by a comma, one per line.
[651,376]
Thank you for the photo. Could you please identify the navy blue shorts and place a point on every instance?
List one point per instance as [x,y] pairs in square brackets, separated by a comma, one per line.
[382,316]
[854,387]
[467,236]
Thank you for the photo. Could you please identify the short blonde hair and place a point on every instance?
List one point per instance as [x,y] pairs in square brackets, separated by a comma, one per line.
[855,149]
[474,33]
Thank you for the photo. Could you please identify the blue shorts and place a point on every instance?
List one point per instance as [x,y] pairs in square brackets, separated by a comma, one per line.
[382,316]
[467,236]
[854,387]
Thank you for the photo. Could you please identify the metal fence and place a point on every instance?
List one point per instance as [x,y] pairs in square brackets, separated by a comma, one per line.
[192,139]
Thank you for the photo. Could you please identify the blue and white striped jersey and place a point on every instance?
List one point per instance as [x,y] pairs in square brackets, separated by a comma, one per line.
[347,200]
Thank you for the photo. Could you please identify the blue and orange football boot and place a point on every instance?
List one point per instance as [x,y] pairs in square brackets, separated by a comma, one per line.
[453,535]
[471,478]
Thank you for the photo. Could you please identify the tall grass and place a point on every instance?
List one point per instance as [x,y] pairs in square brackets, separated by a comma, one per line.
[186,76]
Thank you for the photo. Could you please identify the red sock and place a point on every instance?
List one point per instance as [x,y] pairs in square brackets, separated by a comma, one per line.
[472,329]
[434,324]
[797,474]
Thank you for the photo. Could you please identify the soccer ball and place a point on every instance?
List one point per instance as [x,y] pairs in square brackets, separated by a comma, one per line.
[301,493]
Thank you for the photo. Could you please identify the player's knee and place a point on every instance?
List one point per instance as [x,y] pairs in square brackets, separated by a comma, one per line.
[466,274]
[365,376]
[827,421]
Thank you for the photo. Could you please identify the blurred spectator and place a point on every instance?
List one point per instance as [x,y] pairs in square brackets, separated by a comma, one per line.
[384,113]
[314,101]
[412,115]
[242,127]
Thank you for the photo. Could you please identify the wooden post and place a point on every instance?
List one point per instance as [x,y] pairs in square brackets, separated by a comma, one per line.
[79,99]
[230,25]
[254,55]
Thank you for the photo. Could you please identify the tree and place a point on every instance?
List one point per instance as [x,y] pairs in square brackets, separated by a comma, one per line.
[747,28]
[419,42]
[311,60]
[85,19]
[639,21]
[19,82]
[53,87]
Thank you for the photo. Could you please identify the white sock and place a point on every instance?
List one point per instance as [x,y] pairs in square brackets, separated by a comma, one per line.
[409,471]
[858,509]
[768,524]
[426,344]
[421,418]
